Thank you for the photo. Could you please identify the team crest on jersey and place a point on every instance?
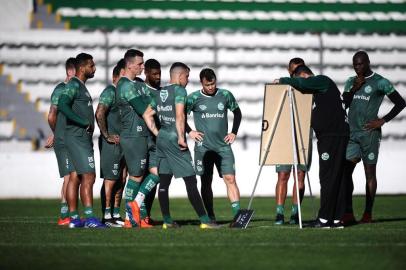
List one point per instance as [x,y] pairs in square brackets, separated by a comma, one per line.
[371,156]
[164,95]
[368,89]
[220,106]
[115,172]
[203,107]
[325,156]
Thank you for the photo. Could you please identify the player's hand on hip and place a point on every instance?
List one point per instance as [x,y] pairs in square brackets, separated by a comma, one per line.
[197,136]
[113,139]
[50,141]
[182,144]
[230,138]
[374,124]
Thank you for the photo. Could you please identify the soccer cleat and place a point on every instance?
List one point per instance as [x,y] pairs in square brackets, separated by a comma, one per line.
[366,218]
[348,219]
[133,212]
[111,223]
[145,223]
[337,224]
[294,219]
[211,225]
[127,224]
[76,223]
[63,221]
[319,225]
[172,225]
[280,219]
[94,223]
[118,220]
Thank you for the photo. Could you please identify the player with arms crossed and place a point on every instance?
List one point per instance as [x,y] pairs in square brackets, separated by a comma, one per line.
[363,94]
[76,104]
[57,124]
[213,142]
[174,158]
[111,156]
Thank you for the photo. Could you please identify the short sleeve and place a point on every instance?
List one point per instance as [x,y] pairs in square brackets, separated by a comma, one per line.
[71,89]
[57,93]
[385,87]
[231,102]
[348,84]
[130,91]
[190,102]
[107,97]
[180,95]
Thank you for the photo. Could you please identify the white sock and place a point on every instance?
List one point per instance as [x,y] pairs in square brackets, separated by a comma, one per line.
[140,198]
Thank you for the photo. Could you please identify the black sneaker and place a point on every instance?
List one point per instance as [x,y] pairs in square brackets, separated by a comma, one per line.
[111,223]
[337,225]
[280,219]
[294,219]
[320,225]
[118,220]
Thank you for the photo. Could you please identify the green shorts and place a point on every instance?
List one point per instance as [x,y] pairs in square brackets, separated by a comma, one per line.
[135,150]
[65,166]
[152,159]
[170,159]
[110,159]
[80,152]
[223,159]
[364,145]
[288,168]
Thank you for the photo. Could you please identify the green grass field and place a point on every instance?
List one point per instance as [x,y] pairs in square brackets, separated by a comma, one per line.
[30,239]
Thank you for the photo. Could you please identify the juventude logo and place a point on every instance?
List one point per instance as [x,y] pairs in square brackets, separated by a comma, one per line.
[325,156]
[164,95]
[371,156]
[220,106]
[368,89]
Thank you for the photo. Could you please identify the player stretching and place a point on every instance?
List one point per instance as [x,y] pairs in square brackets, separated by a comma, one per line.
[213,142]
[174,158]
[135,114]
[363,94]
[57,123]
[76,104]
[111,156]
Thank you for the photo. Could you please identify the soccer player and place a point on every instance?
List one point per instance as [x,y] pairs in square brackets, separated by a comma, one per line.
[209,106]
[329,122]
[174,158]
[283,172]
[57,123]
[136,115]
[363,94]
[111,156]
[153,82]
[76,104]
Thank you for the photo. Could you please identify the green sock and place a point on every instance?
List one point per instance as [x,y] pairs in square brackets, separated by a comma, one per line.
[64,210]
[131,190]
[74,214]
[280,209]
[205,219]
[294,209]
[107,212]
[143,211]
[168,219]
[116,212]
[149,183]
[235,206]
[89,212]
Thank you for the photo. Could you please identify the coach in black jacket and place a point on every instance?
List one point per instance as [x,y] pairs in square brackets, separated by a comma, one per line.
[329,122]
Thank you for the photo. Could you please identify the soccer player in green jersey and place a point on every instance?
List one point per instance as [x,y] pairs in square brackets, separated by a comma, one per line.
[136,117]
[284,175]
[363,94]
[174,158]
[76,104]
[209,106]
[111,156]
[56,122]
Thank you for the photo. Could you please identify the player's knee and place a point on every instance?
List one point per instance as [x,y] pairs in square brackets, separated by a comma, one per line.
[229,179]
[283,177]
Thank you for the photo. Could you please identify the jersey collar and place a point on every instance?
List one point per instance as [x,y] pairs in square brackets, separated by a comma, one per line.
[201,92]
[370,76]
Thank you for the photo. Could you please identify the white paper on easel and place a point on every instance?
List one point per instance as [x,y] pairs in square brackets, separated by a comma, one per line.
[281,148]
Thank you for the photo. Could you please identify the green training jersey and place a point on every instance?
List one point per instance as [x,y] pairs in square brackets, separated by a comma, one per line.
[210,116]
[132,125]
[367,100]
[81,103]
[165,103]
[60,117]
[108,99]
